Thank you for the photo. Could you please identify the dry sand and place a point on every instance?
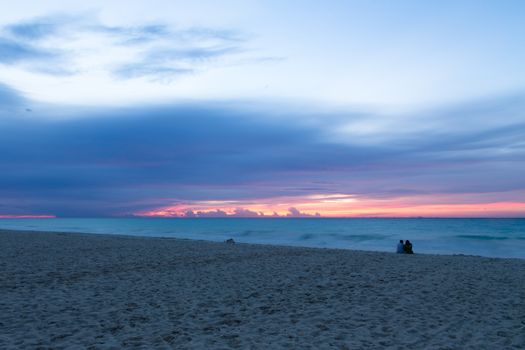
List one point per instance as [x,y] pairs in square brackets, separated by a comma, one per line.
[97,291]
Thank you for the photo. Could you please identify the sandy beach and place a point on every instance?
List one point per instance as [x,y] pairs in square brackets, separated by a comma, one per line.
[63,290]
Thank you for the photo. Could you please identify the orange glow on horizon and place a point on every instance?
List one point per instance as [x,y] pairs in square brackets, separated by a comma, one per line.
[5,216]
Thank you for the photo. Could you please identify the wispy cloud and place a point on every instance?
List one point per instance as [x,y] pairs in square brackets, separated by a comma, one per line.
[35,29]
[166,64]
[13,52]
[155,72]
[84,44]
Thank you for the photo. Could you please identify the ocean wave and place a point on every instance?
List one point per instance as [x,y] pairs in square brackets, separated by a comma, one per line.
[361,237]
[247,233]
[487,237]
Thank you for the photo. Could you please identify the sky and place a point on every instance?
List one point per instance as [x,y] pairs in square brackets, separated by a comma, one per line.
[262,108]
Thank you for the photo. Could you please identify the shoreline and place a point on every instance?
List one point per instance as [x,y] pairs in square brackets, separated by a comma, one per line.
[254,244]
[111,291]
[489,238]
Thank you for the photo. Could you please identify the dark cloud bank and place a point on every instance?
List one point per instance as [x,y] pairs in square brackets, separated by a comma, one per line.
[88,162]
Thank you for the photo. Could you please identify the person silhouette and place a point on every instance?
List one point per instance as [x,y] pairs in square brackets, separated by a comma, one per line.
[400,247]
[408,247]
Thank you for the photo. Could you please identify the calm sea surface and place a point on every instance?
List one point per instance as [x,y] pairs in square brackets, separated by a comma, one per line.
[486,237]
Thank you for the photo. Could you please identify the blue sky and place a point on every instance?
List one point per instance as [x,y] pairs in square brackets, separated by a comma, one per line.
[378,54]
[122,107]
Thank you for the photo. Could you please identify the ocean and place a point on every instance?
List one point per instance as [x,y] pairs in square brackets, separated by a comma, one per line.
[484,237]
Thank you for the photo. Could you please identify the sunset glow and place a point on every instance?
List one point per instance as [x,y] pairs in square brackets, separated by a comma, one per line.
[337,206]
[262,108]
[4,216]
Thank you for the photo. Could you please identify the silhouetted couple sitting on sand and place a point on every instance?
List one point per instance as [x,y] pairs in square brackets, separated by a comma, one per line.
[404,248]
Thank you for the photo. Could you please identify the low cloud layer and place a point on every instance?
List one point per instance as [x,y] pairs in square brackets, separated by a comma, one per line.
[88,162]
[242,213]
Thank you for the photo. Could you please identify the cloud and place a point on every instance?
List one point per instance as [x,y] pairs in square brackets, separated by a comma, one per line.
[190,214]
[36,29]
[141,35]
[168,64]
[244,213]
[132,34]
[83,44]
[295,213]
[212,214]
[25,43]
[156,72]
[9,97]
[12,52]
[117,161]
[164,62]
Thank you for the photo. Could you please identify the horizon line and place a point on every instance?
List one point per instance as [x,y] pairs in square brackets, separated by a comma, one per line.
[47,217]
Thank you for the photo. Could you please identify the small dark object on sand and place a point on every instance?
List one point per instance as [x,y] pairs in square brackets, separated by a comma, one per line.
[229,241]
